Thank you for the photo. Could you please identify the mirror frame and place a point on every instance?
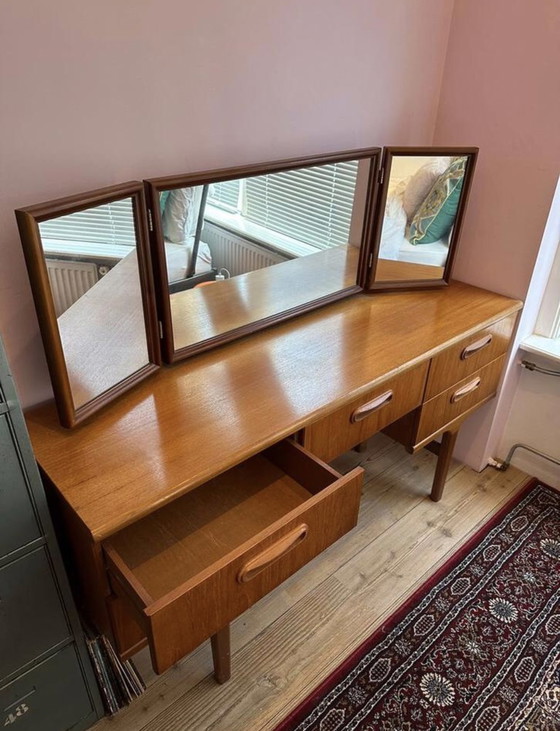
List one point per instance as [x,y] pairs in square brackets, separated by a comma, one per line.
[368,282]
[28,220]
[156,185]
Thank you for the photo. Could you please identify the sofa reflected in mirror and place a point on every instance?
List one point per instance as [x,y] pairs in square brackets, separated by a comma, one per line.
[241,248]
[423,198]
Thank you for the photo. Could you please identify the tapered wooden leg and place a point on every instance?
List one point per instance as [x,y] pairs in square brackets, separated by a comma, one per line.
[221,654]
[448,440]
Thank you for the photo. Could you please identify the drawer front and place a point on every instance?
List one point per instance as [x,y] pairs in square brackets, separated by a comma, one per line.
[459,399]
[365,416]
[31,616]
[468,356]
[18,524]
[50,697]
[179,621]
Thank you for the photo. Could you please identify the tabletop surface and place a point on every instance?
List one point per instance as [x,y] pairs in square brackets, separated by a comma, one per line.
[191,421]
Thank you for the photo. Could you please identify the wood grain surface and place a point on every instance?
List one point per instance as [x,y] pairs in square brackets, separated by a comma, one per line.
[103,333]
[207,312]
[188,423]
[287,643]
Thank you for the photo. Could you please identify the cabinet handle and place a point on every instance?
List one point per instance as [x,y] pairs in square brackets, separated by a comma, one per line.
[272,553]
[476,346]
[363,411]
[465,390]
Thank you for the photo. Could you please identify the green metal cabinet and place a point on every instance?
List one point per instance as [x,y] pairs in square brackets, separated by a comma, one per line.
[46,678]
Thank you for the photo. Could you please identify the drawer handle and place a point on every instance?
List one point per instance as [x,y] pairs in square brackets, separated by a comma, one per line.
[363,411]
[476,346]
[465,390]
[271,554]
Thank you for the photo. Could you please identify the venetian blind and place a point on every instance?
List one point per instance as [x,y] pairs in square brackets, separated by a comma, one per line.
[312,205]
[225,195]
[111,224]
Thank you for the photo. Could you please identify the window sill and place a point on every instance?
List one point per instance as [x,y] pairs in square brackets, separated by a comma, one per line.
[52,247]
[276,241]
[547,347]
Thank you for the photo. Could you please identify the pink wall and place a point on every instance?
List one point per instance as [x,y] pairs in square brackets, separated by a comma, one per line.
[98,93]
[501,91]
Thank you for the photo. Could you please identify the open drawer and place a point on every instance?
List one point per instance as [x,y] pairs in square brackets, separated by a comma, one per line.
[196,564]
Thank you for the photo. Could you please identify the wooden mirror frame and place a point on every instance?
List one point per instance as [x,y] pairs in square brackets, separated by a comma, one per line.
[156,185]
[28,220]
[389,153]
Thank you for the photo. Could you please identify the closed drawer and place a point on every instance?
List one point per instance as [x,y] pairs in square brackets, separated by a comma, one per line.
[467,356]
[50,697]
[461,398]
[365,416]
[32,620]
[196,564]
[18,524]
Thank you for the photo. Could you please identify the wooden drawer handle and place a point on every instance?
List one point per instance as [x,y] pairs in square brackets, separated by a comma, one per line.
[465,390]
[476,346]
[272,553]
[363,411]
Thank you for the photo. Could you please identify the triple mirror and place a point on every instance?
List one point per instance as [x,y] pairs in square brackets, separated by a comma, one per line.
[231,251]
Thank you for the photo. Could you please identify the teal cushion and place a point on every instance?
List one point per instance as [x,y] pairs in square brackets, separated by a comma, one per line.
[436,215]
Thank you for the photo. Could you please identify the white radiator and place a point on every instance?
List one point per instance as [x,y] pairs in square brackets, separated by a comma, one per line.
[69,280]
[236,254]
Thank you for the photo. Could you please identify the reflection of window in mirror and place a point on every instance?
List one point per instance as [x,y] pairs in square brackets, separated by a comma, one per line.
[92,266]
[278,217]
[82,247]
[269,242]
[423,198]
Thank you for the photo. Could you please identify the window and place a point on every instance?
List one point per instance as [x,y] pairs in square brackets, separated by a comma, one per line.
[548,321]
[313,205]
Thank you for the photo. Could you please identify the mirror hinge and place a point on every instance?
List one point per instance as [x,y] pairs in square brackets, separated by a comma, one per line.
[380,175]
[150,222]
[370,261]
[160,326]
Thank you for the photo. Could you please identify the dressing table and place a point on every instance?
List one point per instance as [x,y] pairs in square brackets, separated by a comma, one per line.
[208,484]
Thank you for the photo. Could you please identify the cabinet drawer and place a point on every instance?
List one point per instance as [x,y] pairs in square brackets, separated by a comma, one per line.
[32,620]
[196,564]
[18,524]
[365,416]
[51,697]
[467,356]
[459,399]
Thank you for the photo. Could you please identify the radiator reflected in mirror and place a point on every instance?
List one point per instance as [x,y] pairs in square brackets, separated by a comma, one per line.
[247,249]
[88,271]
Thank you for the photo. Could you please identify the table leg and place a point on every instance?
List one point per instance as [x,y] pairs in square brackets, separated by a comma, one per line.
[221,654]
[448,440]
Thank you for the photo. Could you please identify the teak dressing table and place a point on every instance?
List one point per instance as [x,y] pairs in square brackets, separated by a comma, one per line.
[207,485]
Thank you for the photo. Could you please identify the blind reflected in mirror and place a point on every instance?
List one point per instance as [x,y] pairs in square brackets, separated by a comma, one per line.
[248,249]
[93,293]
[92,266]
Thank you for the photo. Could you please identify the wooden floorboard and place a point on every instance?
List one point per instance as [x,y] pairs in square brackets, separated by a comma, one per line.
[290,640]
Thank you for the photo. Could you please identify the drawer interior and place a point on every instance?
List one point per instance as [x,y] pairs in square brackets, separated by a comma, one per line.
[184,539]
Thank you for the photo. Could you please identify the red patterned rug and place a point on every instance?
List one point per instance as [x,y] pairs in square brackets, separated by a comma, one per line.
[477,647]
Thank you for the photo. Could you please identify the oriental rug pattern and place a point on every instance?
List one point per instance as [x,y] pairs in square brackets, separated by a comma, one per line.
[477,647]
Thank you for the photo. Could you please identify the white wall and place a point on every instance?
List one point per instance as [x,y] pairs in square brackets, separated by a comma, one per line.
[102,92]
